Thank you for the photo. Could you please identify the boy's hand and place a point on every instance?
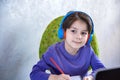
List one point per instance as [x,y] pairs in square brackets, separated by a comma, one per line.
[59,77]
[88,78]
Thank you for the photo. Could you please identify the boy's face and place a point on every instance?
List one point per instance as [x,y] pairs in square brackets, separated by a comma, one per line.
[76,35]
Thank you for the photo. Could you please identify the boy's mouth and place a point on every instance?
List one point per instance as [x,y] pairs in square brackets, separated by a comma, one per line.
[77,42]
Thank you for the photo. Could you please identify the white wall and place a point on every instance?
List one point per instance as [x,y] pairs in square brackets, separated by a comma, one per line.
[22,23]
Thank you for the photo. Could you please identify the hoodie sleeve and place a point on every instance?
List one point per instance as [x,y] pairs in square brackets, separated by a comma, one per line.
[38,70]
[96,64]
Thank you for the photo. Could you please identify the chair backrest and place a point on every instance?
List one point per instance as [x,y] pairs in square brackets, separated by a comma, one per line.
[50,37]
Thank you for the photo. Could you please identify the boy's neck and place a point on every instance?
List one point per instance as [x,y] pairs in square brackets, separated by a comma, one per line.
[70,50]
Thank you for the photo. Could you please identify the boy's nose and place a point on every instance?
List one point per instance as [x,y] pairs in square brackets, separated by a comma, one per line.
[79,36]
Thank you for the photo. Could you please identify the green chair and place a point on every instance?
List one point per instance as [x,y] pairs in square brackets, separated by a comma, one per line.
[50,37]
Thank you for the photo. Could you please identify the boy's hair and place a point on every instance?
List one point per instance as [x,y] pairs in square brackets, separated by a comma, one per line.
[77,16]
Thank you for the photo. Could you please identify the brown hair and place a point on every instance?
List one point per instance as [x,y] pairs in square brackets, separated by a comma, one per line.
[77,16]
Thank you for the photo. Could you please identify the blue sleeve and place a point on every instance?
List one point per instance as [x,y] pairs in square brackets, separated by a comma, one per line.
[96,64]
[38,71]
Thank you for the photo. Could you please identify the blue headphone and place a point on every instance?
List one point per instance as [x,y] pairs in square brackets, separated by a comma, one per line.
[61,31]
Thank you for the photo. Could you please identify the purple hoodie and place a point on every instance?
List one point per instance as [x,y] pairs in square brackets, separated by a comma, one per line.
[70,64]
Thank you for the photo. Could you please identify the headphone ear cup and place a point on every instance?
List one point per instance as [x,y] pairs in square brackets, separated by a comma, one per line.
[64,34]
[60,30]
[89,38]
[60,33]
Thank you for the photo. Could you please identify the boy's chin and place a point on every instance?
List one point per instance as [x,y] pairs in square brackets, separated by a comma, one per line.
[77,47]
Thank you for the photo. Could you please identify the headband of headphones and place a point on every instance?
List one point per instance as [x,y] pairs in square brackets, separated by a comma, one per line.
[61,31]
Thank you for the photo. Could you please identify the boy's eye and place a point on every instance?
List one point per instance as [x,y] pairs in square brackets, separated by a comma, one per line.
[84,33]
[74,31]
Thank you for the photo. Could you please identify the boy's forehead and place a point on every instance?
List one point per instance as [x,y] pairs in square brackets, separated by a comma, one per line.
[78,23]
[79,29]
